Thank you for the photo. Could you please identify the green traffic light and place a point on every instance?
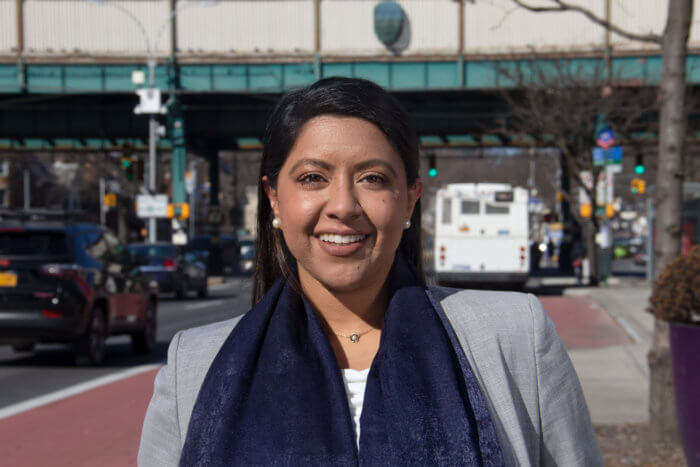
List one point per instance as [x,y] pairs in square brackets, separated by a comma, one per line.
[432,172]
[639,169]
[126,163]
[635,190]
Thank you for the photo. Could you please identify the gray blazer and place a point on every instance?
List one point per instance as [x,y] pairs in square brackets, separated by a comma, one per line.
[532,391]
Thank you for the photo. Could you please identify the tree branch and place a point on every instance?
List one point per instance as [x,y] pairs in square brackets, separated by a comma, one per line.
[563,6]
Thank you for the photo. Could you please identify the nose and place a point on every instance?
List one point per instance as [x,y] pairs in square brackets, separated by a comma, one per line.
[342,201]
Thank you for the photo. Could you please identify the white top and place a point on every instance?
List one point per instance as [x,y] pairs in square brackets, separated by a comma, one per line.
[355,383]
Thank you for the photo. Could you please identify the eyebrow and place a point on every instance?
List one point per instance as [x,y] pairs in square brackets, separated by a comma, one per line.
[359,166]
[315,162]
[374,162]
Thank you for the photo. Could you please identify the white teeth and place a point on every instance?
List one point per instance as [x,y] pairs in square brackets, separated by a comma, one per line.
[341,239]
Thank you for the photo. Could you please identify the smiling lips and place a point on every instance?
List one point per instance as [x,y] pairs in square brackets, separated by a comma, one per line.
[341,245]
[341,239]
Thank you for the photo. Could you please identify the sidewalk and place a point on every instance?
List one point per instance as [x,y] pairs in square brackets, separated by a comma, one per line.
[615,378]
[215,280]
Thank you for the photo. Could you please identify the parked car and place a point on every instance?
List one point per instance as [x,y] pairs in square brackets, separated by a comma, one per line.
[71,283]
[229,253]
[640,259]
[173,271]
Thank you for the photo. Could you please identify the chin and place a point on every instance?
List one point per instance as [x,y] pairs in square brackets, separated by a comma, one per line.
[344,280]
[343,284]
[344,287]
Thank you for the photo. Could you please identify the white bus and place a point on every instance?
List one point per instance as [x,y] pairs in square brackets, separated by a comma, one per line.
[481,234]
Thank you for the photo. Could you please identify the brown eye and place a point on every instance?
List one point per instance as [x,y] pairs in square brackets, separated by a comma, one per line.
[310,179]
[373,179]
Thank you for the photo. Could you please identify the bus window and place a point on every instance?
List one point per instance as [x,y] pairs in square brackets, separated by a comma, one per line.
[447,211]
[470,207]
[497,208]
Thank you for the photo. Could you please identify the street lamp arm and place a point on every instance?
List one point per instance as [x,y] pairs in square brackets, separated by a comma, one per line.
[176,11]
[134,18]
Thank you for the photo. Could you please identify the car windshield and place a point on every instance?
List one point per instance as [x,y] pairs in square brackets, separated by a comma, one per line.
[147,252]
[33,243]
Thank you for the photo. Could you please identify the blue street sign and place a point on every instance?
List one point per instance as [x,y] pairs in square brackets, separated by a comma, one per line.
[605,138]
[609,156]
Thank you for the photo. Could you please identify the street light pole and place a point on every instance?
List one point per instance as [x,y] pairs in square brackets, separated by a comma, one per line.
[152,60]
[152,128]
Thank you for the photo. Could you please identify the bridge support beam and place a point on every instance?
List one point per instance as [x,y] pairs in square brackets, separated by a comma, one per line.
[179,152]
[215,264]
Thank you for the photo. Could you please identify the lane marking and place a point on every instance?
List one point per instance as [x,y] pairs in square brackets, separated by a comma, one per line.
[233,285]
[629,329]
[619,320]
[70,391]
[207,304]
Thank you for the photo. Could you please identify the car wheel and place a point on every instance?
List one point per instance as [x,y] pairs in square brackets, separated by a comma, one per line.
[181,291]
[24,347]
[203,292]
[91,347]
[142,342]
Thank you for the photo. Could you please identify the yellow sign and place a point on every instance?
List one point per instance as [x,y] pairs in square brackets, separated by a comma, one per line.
[179,210]
[8,279]
[111,200]
[638,186]
[585,210]
[609,210]
[184,210]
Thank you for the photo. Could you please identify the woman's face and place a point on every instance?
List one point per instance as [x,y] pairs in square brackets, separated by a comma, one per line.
[342,200]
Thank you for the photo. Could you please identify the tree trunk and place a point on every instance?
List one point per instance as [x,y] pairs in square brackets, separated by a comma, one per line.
[669,186]
[589,234]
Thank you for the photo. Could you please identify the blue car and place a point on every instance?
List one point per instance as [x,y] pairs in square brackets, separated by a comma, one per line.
[173,271]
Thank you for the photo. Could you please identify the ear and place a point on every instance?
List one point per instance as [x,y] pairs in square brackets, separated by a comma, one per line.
[414,193]
[271,194]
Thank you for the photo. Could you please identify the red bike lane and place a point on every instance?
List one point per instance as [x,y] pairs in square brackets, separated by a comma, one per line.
[581,323]
[102,426]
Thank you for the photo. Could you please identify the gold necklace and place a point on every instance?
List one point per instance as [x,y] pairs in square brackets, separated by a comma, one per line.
[354,337]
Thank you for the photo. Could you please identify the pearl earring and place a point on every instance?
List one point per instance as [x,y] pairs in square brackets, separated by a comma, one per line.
[407,224]
[276,223]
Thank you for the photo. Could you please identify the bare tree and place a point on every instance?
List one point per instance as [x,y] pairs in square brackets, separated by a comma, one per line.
[561,106]
[669,180]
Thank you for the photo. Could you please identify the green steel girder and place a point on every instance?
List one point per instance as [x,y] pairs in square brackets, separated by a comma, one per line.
[254,144]
[279,77]
[77,144]
[225,106]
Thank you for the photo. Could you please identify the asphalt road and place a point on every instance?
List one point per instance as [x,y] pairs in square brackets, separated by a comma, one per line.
[50,368]
[626,267]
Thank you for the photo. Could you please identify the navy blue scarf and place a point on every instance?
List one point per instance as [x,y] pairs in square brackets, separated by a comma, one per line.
[274,394]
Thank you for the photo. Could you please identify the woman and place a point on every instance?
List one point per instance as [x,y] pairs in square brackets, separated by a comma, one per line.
[347,357]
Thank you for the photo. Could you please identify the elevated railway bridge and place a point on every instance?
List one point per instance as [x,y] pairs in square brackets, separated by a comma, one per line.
[70,69]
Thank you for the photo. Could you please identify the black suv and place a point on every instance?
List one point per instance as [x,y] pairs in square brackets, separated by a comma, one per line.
[229,252]
[71,283]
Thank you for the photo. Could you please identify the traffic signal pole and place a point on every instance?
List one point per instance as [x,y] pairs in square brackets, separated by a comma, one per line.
[152,128]
[179,152]
[103,212]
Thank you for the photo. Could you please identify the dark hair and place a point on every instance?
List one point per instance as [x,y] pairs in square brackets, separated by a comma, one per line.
[349,97]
